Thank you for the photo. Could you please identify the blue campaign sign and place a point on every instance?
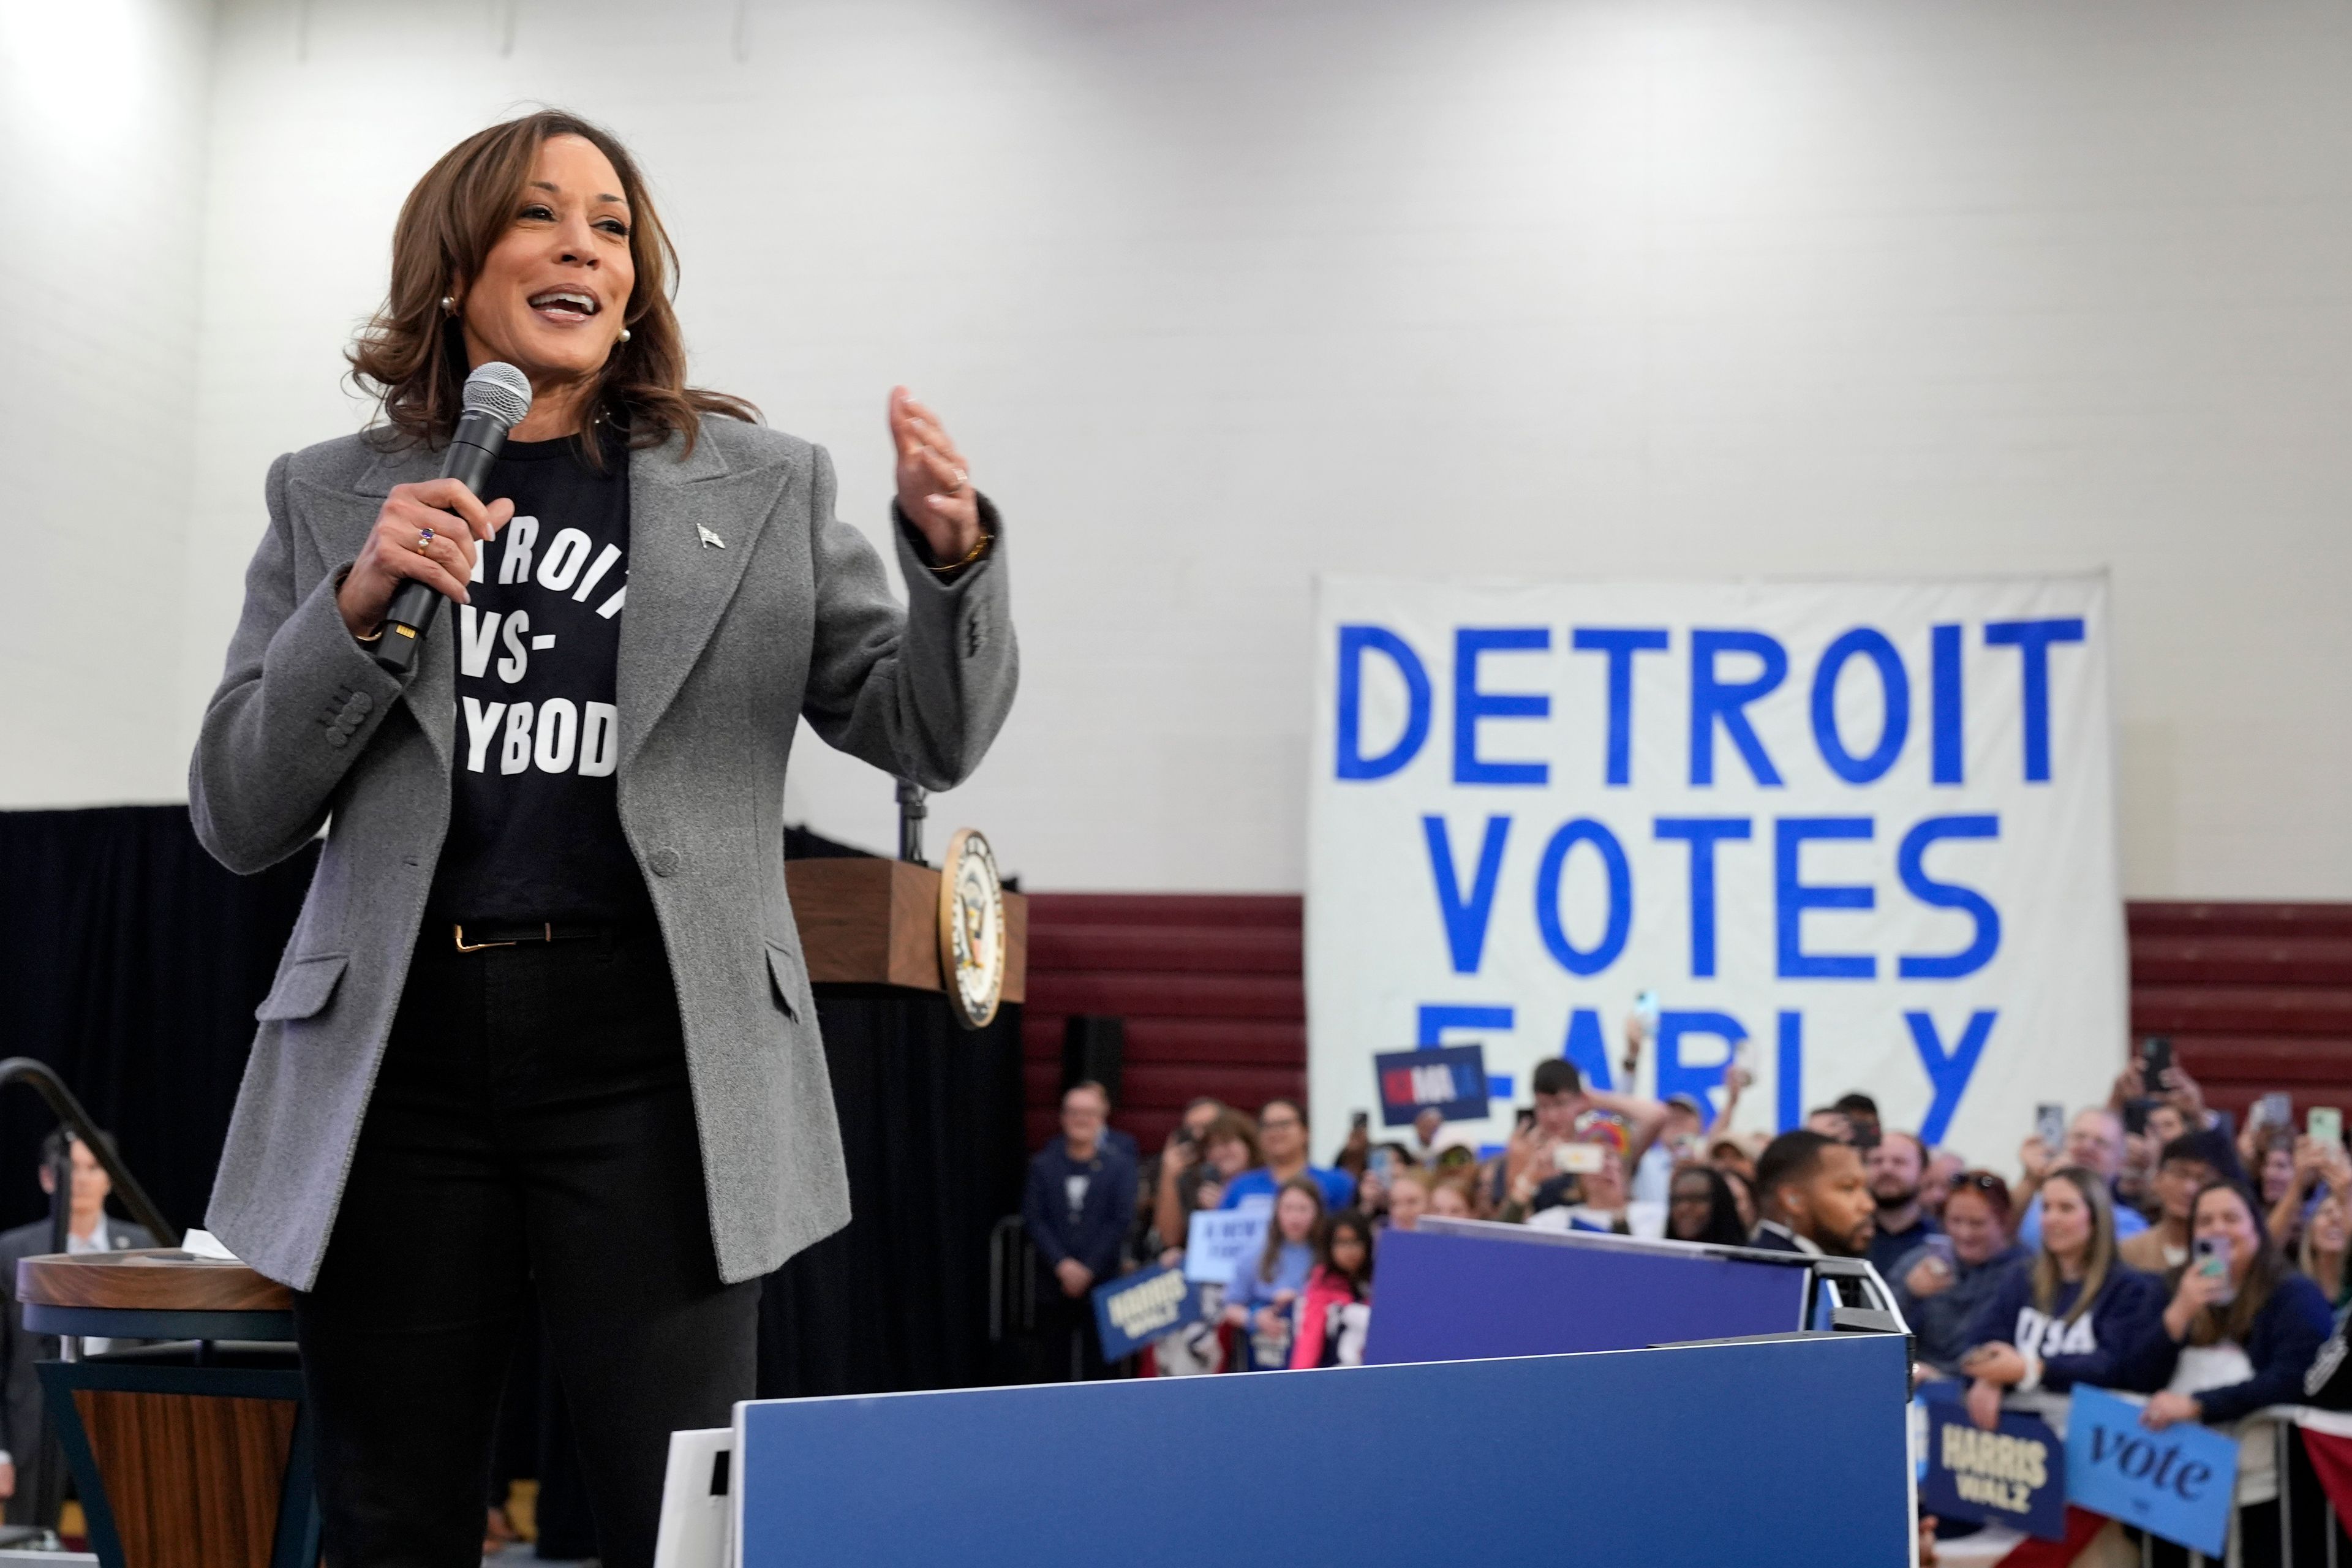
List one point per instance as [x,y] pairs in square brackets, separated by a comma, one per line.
[1136,1308]
[2014,1475]
[1452,1078]
[2178,1483]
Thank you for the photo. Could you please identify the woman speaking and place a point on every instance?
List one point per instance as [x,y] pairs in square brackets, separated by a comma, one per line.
[544,1019]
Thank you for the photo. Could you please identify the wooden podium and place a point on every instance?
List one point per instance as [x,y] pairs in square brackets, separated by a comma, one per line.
[190,1453]
[868,921]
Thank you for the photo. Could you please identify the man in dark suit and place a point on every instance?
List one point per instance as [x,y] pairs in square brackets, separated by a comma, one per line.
[1080,1202]
[32,1472]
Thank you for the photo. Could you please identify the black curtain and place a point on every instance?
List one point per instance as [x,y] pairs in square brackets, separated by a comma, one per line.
[132,962]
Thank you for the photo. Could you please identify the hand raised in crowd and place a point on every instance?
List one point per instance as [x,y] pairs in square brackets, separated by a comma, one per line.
[2197,1290]
[427,531]
[2001,1365]
[1928,1277]
[934,485]
[2184,1091]
[7,1480]
[1983,1400]
[2034,1155]
[1075,1276]
[2310,1163]
[2164,1409]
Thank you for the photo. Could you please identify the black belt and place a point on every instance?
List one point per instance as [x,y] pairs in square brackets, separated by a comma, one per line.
[512,935]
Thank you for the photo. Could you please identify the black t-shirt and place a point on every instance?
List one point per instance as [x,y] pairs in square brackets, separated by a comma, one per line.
[535,822]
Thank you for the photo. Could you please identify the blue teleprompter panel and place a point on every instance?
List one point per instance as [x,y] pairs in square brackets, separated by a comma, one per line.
[1455,1296]
[1762,1454]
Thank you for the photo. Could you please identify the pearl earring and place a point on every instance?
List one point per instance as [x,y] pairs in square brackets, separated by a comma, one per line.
[448,304]
[624,334]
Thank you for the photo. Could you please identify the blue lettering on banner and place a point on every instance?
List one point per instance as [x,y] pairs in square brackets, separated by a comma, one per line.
[1354,643]
[1946,714]
[1588,1047]
[2179,1483]
[1702,833]
[1450,1079]
[1465,919]
[1894,706]
[1947,1071]
[1910,862]
[2014,1475]
[1136,1308]
[1715,700]
[1793,897]
[1576,960]
[1677,1075]
[1472,705]
[1789,1072]
[1620,644]
[1433,1018]
[2032,640]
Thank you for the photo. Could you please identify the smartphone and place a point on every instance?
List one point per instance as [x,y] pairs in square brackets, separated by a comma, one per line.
[1362,1119]
[2326,1124]
[1941,1246]
[1526,1117]
[1645,1008]
[2275,1109]
[1576,1159]
[2135,1114]
[2155,1061]
[2212,1254]
[1382,1162]
[2049,1126]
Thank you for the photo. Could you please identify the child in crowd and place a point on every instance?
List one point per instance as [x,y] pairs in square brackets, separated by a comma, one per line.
[1408,1197]
[1451,1198]
[1336,1311]
[2070,1316]
[1261,1296]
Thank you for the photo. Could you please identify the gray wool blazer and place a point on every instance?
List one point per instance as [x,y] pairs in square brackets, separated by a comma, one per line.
[722,649]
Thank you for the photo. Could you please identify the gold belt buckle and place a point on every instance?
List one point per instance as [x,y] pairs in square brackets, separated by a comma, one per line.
[464,946]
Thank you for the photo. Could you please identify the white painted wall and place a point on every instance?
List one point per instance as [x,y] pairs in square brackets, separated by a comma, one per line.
[1221,295]
[101,202]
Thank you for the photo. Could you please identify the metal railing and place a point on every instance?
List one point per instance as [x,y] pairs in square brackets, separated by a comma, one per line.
[75,1119]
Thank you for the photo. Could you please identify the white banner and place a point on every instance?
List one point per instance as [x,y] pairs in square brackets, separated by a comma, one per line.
[1863,832]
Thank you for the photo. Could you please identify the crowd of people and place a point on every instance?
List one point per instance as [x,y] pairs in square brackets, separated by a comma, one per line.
[2162,1248]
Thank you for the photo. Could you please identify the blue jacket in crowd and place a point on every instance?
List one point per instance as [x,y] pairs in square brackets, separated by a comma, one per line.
[2093,1349]
[2285,1336]
[1093,1228]
[1940,1323]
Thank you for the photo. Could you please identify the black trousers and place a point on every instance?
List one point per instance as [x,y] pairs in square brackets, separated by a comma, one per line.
[532,1125]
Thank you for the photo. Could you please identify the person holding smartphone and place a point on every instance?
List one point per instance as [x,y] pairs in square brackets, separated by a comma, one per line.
[1944,1282]
[2068,1317]
[2242,1330]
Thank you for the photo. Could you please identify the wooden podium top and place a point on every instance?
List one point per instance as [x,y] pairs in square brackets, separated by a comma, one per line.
[147,1280]
[869,921]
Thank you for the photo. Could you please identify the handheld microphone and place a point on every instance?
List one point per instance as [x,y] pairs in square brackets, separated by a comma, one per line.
[497,398]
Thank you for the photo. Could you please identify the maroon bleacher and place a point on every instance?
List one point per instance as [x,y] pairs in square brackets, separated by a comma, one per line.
[2255,997]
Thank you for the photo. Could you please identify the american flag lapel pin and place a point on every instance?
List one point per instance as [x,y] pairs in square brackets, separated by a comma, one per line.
[709,538]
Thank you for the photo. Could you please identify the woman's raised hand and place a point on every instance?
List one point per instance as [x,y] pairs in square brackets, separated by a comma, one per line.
[428,532]
[934,484]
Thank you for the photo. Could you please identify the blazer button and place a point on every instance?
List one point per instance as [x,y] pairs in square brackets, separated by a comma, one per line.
[663,862]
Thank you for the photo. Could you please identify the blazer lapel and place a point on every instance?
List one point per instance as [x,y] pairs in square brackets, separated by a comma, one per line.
[432,692]
[679,580]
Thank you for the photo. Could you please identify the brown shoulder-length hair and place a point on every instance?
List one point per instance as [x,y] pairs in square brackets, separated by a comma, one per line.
[411,355]
[2098,1256]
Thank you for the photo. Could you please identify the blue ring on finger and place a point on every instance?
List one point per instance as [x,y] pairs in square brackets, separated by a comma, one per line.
[423,539]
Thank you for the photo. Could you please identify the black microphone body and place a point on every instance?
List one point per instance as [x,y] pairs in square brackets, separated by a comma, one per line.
[480,437]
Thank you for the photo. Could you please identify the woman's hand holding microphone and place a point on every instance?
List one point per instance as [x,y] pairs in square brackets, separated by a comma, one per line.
[428,532]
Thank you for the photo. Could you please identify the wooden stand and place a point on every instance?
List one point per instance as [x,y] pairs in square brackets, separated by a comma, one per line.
[186,1454]
[876,922]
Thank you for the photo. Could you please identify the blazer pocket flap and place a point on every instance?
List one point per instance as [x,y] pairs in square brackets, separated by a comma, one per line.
[790,975]
[303,990]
